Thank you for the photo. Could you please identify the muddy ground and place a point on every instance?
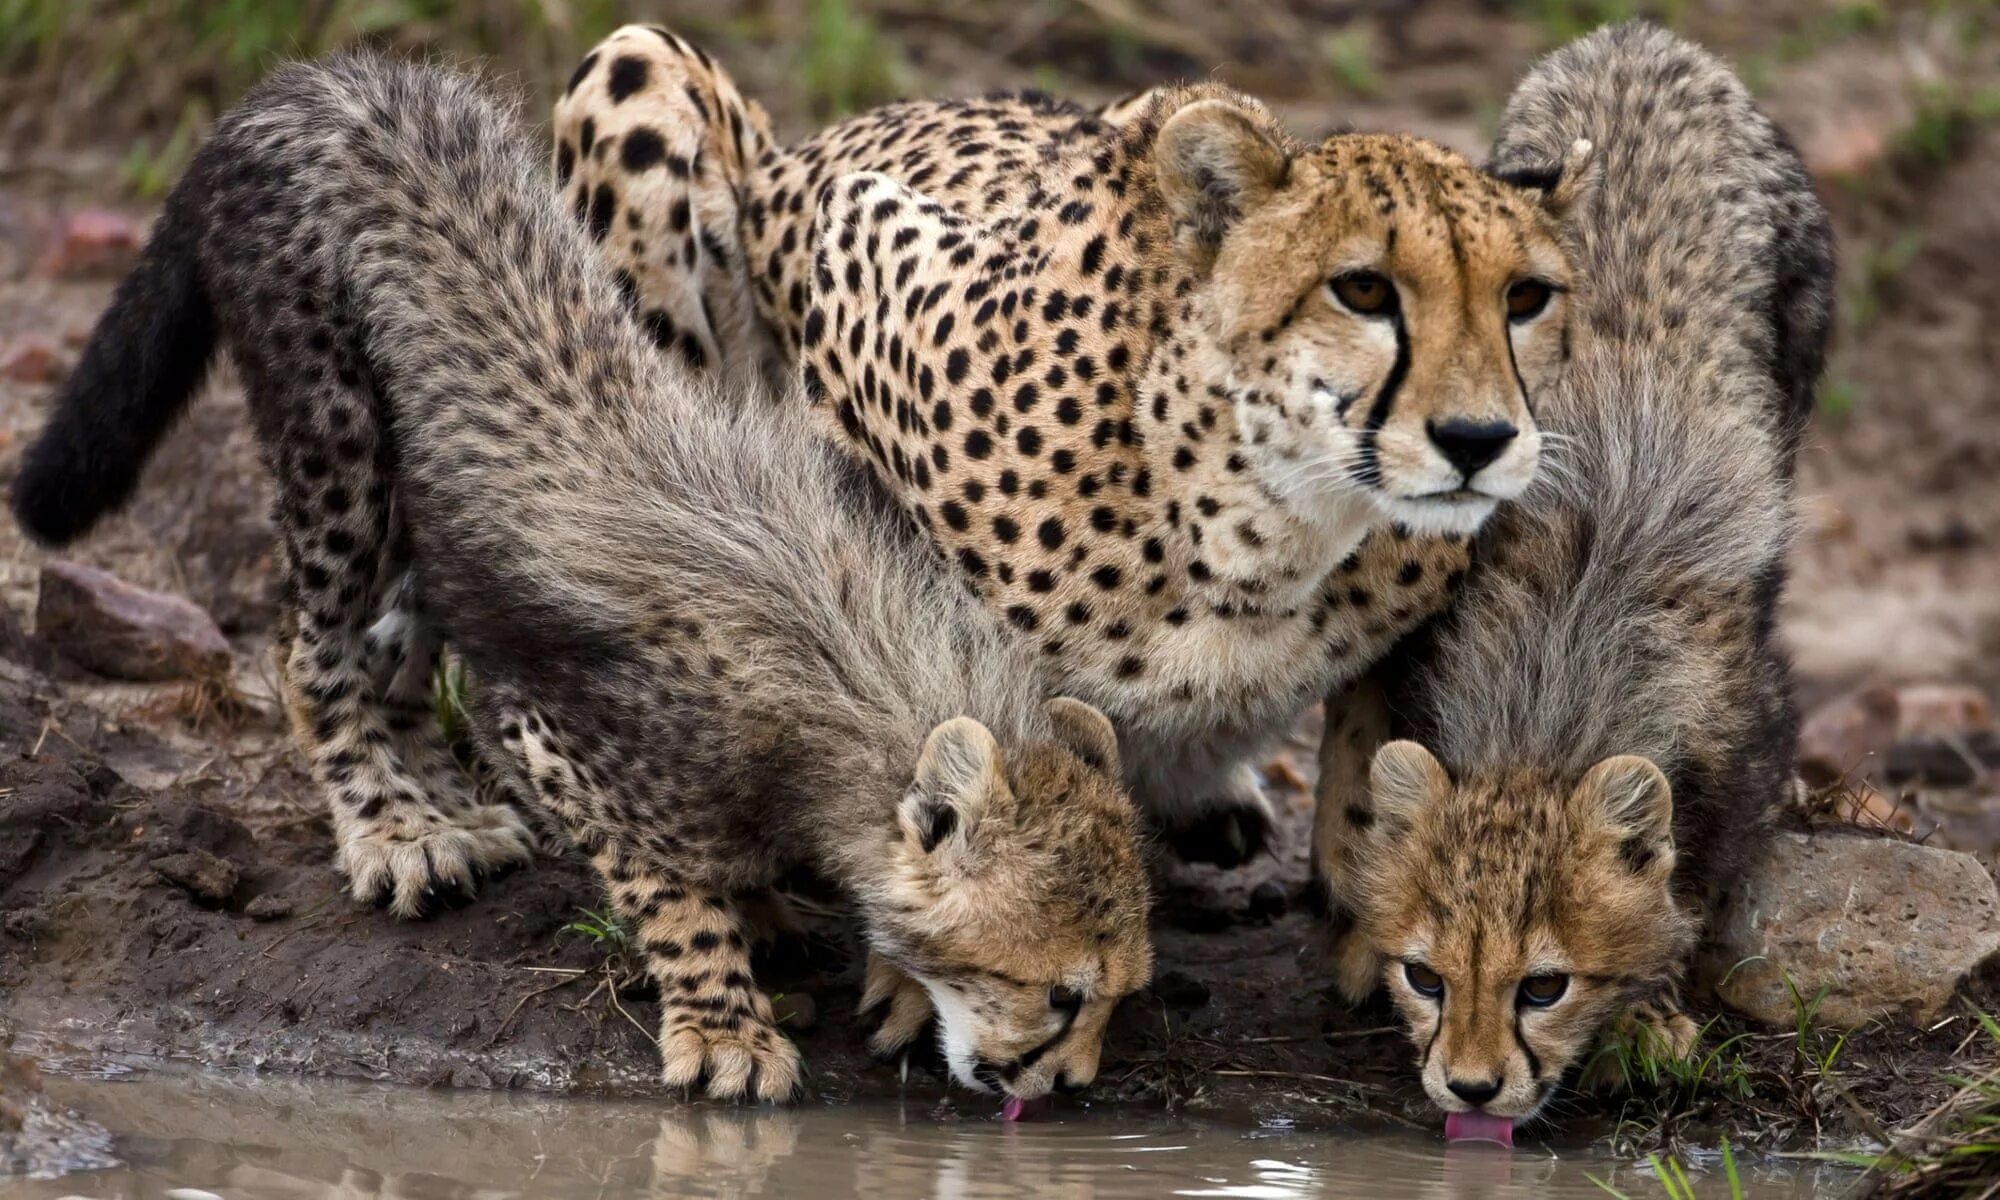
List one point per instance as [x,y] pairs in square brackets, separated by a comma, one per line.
[1897,578]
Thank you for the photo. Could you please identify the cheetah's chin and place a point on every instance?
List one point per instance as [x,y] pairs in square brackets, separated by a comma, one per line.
[1460,513]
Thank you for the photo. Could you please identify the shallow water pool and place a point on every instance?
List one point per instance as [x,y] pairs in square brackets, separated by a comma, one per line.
[183,1136]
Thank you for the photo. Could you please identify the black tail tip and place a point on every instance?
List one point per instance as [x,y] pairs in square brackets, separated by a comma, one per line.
[45,511]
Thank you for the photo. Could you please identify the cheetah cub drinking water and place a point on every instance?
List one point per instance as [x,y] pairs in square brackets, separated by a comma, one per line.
[1604,719]
[692,635]
[1207,413]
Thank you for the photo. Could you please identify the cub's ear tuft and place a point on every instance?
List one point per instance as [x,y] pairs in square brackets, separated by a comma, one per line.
[1087,733]
[1403,781]
[1631,795]
[1217,162]
[958,777]
[1562,186]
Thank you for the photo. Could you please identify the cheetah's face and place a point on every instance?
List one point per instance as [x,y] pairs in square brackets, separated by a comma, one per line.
[1019,900]
[1517,917]
[1382,313]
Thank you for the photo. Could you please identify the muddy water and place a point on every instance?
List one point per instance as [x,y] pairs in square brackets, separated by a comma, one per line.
[182,1136]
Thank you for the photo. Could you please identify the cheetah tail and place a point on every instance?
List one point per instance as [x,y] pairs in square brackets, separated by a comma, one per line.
[144,361]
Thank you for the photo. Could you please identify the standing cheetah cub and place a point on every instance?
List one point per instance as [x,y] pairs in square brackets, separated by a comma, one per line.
[1604,719]
[691,634]
[1205,412]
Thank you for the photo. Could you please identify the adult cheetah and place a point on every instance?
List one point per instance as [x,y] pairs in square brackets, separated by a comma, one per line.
[1208,413]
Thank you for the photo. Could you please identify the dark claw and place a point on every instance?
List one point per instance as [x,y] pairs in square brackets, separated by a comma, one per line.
[430,903]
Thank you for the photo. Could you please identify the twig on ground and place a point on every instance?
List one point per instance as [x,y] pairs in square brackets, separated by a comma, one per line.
[515,1011]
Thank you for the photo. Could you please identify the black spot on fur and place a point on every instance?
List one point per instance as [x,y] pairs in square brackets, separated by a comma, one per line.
[627,76]
[642,150]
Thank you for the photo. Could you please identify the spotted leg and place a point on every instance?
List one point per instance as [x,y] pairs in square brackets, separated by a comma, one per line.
[717,1028]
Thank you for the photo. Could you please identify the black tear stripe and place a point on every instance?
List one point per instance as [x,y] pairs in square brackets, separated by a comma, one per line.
[1534,1060]
[1368,469]
[1527,401]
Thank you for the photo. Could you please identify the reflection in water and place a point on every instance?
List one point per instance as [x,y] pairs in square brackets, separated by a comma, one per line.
[286,1138]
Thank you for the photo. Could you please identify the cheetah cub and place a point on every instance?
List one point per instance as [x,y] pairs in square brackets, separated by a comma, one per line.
[1604,719]
[1207,413]
[692,635]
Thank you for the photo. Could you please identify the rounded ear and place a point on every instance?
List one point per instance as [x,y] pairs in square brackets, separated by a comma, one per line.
[1215,163]
[1562,187]
[958,776]
[1405,779]
[1636,801]
[1087,733]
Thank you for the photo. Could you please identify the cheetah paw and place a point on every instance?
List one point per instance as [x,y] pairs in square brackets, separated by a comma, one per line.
[1357,967]
[1224,837]
[751,1061]
[417,865]
[1650,1030]
[1232,827]
[903,1004]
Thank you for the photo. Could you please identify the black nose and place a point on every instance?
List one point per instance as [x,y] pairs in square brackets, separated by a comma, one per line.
[1474,1093]
[1068,1086]
[1470,445]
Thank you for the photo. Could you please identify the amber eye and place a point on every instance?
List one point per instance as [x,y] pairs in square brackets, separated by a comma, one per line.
[1065,999]
[1527,298]
[1423,980]
[1365,292]
[1540,991]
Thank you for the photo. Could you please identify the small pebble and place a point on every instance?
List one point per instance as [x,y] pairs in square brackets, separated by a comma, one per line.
[268,907]
[31,360]
[209,879]
[796,1012]
[93,243]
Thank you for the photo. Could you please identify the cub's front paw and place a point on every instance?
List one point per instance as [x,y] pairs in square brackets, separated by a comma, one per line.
[417,861]
[1654,1030]
[1357,965]
[899,1003]
[737,1053]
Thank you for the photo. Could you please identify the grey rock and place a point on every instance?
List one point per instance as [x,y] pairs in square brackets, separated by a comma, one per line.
[1889,927]
[124,631]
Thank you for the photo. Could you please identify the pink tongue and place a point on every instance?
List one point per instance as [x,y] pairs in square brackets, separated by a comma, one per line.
[1479,1127]
[1013,1108]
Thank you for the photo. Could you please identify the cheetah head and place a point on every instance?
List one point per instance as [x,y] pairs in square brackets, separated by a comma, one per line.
[1017,898]
[1379,311]
[1516,917]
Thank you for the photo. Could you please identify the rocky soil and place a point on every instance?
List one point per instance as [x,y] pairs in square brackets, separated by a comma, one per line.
[165,877]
